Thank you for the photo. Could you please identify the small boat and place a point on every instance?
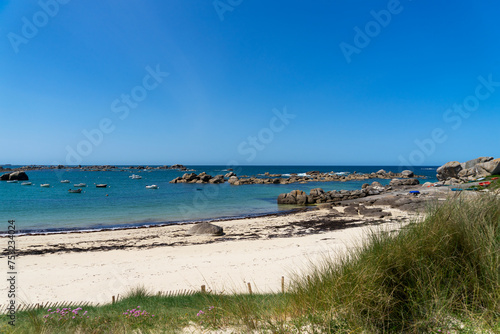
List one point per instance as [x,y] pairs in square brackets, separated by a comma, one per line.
[153,186]
[456,189]
[101,185]
[12,181]
[65,181]
[485,184]
[75,191]
[135,176]
[45,185]
[415,192]
[80,185]
[26,184]
[494,178]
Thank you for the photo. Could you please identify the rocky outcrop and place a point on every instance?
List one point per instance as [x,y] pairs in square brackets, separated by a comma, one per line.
[198,178]
[404,182]
[294,197]
[312,176]
[205,228]
[318,196]
[469,170]
[20,176]
[449,170]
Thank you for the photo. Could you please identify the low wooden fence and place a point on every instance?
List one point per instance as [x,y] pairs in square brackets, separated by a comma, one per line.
[22,307]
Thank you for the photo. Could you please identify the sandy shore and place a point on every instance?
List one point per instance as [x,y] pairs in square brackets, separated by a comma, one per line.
[95,266]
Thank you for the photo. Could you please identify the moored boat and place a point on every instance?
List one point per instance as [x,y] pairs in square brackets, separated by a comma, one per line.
[45,185]
[135,176]
[65,181]
[75,191]
[153,186]
[26,184]
[101,185]
[80,185]
[12,181]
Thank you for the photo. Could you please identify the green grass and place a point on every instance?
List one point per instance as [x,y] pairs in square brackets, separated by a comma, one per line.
[442,274]
[447,267]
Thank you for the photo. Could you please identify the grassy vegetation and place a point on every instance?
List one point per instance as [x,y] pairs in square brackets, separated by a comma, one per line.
[439,275]
[427,276]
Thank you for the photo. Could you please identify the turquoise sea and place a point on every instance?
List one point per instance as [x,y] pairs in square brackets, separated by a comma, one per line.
[127,203]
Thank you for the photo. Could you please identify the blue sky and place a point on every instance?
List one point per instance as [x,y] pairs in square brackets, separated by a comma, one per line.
[408,82]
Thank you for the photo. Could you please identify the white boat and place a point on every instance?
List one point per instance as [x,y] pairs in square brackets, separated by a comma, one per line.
[45,185]
[26,184]
[80,185]
[12,181]
[65,181]
[135,176]
[153,186]
[101,185]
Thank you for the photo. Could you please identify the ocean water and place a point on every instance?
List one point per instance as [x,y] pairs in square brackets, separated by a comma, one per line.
[127,203]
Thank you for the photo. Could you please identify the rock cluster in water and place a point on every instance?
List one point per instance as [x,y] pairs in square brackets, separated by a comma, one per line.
[456,172]
[14,176]
[318,195]
[96,168]
[312,176]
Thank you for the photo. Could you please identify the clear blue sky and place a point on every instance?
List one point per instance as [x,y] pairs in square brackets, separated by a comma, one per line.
[406,90]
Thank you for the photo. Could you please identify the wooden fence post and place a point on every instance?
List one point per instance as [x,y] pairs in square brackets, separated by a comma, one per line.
[203,290]
[282,284]
[249,288]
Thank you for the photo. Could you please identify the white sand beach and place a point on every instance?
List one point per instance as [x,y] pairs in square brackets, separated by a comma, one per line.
[78,267]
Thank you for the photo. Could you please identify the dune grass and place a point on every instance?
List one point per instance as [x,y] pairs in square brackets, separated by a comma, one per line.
[429,275]
[438,275]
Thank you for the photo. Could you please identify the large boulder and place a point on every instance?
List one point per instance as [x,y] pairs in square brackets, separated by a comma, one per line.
[20,176]
[204,177]
[189,176]
[474,162]
[492,166]
[205,228]
[287,199]
[217,179]
[233,180]
[407,173]
[449,170]
[295,197]
[317,192]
